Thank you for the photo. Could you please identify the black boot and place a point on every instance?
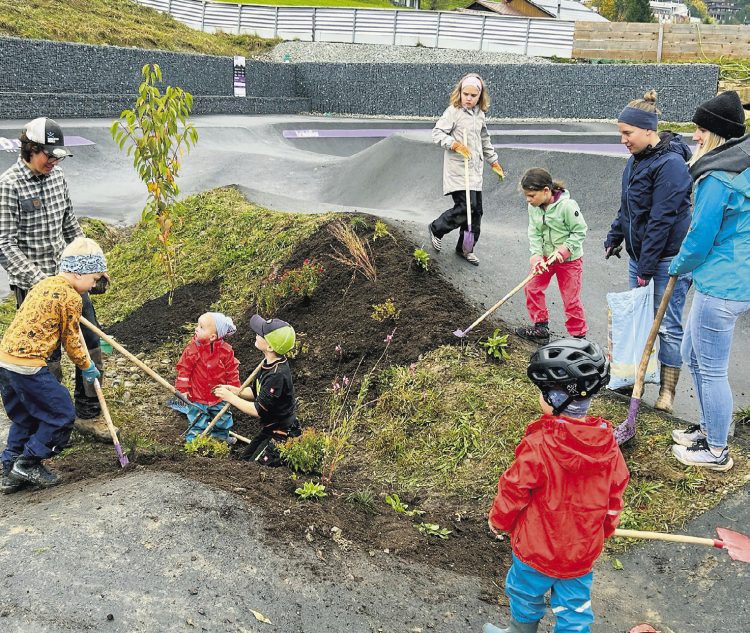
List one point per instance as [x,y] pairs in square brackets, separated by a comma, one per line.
[9,485]
[31,470]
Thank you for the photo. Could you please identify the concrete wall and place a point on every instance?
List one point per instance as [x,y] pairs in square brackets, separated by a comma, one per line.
[77,80]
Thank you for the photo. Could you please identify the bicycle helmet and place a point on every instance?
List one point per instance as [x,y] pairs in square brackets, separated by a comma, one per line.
[576,366]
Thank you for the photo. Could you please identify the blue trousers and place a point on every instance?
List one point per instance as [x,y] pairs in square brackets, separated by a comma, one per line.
[199,417]
[705,350]
[570,598]
[41,414]
[670,332]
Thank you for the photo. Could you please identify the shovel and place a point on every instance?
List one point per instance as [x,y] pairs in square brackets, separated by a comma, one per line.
[528,278]
[468,243]
[123,459]
[626,430]
[225,408]
[736,544]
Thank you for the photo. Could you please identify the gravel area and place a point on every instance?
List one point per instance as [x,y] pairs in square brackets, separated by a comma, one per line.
[299,52]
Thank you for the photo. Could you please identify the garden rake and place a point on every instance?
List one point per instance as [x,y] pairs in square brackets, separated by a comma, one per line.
[468,242]
[122,458]
[736,544]
[527,279]
[625,431]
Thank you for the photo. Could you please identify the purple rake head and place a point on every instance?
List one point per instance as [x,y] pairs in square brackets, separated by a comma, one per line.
[626,430]
[122,457]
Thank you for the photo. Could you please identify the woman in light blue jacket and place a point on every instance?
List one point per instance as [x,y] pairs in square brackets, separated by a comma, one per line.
[717,251]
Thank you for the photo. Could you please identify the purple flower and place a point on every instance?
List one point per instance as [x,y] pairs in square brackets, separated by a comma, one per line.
[345,381]
[338,349]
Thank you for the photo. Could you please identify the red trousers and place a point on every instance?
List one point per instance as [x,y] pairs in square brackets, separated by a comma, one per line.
[569,281]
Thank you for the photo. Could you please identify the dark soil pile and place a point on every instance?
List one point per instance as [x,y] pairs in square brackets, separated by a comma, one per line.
[338,314]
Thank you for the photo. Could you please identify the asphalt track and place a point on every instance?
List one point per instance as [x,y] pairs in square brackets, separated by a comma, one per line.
[389,168]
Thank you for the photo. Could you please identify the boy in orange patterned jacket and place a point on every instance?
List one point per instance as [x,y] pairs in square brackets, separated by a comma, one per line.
[39,407]
[563,493]
[207,361]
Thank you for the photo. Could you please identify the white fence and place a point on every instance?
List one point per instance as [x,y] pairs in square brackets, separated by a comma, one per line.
[439,29]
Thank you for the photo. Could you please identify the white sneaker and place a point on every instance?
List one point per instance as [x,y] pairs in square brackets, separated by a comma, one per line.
[689,436]
[699,454]
[472,259]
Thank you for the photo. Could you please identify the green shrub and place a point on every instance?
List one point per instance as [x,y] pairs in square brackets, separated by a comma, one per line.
[304,454]
[207,447]
[311,490]
[422,258]
[384,311]
[496,346]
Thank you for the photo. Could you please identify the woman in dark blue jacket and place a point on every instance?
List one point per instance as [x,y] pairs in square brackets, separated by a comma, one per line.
[717,252]
[653,219]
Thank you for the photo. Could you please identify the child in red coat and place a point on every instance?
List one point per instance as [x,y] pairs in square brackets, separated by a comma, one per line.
[562,495]
[206,362]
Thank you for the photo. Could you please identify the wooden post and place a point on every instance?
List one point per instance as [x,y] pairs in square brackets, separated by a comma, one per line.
[481,36]
[354,27]
[437,31]
[528,32]
[315,13]
[203,17]
[239,18]
[395,25]
[660,43]
[276,22]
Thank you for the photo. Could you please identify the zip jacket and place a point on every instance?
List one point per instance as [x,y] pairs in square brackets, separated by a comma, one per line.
[203,366]
[560,223]
[449,129]
[562,495]
[654,210]
[717,246]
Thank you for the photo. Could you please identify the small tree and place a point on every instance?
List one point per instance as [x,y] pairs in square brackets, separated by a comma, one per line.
[158,134]
[637,11]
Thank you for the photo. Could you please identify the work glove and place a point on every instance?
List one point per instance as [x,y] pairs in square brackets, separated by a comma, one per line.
[498,170]
[561,254]
[460,148]
[612,250]
[91,373]
[538,264]
[642,282]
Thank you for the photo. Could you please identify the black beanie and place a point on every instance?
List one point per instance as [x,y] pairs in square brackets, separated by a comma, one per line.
[722,115]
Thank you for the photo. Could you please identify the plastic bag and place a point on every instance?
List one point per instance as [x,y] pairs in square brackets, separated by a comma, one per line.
[630,316]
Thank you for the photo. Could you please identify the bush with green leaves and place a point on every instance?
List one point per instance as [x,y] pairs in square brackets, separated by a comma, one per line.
[311,490]
[385,311]
[422,258]
[207,447]
[304,454]
[496,346]
[381,230]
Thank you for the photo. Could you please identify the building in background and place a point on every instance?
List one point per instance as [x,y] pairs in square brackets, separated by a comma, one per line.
[559,9]
[721,10]
[674,12]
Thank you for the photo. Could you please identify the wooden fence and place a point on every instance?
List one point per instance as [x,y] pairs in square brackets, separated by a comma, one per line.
[660,42]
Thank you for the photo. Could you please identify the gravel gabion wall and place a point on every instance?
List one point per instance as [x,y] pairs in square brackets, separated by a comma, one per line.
[76,80]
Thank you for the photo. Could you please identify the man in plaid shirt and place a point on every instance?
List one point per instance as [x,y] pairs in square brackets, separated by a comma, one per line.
[36,223]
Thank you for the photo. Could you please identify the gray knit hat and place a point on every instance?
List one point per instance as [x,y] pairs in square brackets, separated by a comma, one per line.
[723,115]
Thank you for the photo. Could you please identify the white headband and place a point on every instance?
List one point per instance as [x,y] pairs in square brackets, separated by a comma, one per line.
[472,80]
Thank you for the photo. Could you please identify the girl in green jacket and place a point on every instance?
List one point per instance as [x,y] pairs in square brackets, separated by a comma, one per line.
[556,232]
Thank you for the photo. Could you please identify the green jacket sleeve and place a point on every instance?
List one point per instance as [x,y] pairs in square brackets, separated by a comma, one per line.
[536,242]
[577,226]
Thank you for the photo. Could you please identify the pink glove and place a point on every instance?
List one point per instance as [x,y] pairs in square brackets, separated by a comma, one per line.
[642,282]
[561,254]
[538,264]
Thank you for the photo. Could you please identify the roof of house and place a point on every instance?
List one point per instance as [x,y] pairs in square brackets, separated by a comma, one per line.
[569,9]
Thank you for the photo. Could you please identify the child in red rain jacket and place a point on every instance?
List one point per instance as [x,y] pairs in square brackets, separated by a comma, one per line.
[206,362]
[562,495]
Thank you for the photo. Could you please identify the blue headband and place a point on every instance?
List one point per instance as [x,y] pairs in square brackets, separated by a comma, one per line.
[639,118]
[83,264]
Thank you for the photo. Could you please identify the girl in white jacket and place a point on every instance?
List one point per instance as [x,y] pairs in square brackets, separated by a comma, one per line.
[464,118]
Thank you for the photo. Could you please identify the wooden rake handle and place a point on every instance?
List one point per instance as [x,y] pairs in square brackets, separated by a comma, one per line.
[135,360]
[643,366]
[466,184]
[672,538]
[225,408]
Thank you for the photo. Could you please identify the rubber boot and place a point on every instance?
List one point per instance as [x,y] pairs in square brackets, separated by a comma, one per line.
[513,627]
[31,470]
[95,428]
[669,378]
[55,369]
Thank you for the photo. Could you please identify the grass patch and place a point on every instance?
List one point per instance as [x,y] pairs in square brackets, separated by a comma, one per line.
[448,427]
[223,237]
[118,23]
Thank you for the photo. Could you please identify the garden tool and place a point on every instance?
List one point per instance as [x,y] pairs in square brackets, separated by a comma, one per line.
[736,544]
[225,408]
[105,412]
[468,243]
[527,279]
[626,430]
[136,361]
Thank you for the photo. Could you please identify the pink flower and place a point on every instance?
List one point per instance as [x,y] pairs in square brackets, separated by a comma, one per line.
[345,381]
[387,340]
[336,387]
[338,349]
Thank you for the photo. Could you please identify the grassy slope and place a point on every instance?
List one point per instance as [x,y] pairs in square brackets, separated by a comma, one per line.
[447,426]
[118,23]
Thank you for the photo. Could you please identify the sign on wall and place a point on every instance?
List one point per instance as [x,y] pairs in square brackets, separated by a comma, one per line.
[239,76]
